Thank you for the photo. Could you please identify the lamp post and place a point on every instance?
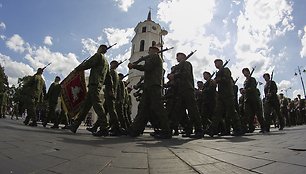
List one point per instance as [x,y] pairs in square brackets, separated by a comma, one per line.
[162,33]
[286,90]
[299,71]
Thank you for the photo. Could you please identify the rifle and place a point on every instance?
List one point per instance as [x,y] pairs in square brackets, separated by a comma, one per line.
[122,61]
[125,75]
[109,47]
[90,56]
[143,58]
[190,54]
[46,66]
[235,81]
[253,69]
[106,49]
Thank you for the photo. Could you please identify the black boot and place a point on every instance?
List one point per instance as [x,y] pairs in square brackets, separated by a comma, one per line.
[101,133]
[91,129]
[73,128]
[163,135]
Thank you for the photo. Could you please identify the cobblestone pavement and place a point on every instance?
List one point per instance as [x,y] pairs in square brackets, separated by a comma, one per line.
[25,149]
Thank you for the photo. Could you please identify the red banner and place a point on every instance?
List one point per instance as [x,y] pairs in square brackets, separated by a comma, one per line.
[73,92]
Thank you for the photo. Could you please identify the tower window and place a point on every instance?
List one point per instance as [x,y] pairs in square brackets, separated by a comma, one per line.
[144,29]
[142,43]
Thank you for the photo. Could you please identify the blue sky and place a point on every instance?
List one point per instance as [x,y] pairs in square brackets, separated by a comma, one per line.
[266,34]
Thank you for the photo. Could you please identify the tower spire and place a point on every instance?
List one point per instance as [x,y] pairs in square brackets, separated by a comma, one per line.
[149,15]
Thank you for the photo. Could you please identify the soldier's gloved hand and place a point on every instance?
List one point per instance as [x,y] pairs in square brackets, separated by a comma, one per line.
[130,66]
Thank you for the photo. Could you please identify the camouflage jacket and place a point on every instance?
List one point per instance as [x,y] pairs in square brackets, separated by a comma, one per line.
[153,70]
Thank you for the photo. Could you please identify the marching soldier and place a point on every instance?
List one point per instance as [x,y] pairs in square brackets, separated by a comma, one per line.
[252,102]
[198,93]
[99,74]
[284,108]
[225,101]
[33,91]
[208,100]
[109,104]
[120,102]
[52,98]
[151,106]
[185,96]
[271,103]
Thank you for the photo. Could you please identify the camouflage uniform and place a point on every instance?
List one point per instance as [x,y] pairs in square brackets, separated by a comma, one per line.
[225,103]
[271,103]
[99,74]
[33,92]
[151,106]
[252,105]
[208,102]
[52,97]
[185,97]
[120,104]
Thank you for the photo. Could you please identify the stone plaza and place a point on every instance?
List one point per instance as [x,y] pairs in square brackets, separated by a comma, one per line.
[25,149]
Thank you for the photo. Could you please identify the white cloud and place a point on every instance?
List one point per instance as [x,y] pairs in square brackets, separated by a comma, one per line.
[124,5]
[16,43]
[300,32]
[119,36]
[90,46]
[15,70]
[60,63]
[258,24]
[186,26]
[303,41]
[48,40]
[284,85]
[113,35]
[188,31]
[2,37]
[2,25]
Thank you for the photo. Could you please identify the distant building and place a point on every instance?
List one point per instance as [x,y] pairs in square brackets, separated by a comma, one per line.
[147,34]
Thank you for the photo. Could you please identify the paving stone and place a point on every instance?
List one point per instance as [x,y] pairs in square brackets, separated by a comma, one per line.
[206,150]
[292,158]
[26,149]
[113,170]
[193,158]
[221,168]
[30,164]
[131,160]
[84,164]
[281,168]
[160,153]
[169,166]
[242,161]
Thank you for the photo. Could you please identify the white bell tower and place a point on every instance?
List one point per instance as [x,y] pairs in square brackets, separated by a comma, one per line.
[147,34]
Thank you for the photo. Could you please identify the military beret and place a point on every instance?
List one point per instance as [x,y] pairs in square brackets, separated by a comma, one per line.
[218,60]
[183,54]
